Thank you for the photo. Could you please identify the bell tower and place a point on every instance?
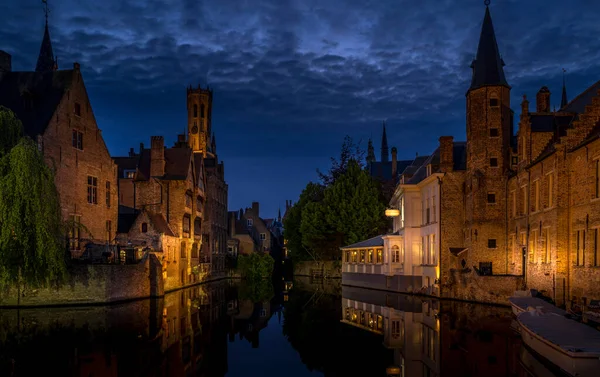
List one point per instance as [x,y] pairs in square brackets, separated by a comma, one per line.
[489,136]
[199,107]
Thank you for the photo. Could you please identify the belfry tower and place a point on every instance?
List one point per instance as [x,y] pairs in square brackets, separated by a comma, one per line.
[199,106]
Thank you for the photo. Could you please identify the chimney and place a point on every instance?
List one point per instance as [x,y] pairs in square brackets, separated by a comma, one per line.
[524,107]
[181,138]
[255,209]
[232,220]
[446,153]
[141,148]
[131,152]
[542,100]
[76,66]
[5,62]
[157,156]
[394,163]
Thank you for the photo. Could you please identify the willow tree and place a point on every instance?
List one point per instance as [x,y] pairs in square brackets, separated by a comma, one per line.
[32,250]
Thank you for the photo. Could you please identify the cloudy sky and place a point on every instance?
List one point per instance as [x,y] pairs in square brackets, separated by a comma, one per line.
[292,77]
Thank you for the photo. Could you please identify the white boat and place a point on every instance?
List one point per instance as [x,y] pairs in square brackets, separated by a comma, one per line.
[570,345]
[520,305]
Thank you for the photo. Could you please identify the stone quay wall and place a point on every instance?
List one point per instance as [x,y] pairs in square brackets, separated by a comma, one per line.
[469,286]
[333,269]
[95,284]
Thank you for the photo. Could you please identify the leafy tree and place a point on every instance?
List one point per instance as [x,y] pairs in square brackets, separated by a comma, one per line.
[255,266]
[354,207]
[313,192]
[32,250]
[350,151]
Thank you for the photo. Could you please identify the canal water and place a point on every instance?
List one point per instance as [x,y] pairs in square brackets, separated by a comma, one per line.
[300,328]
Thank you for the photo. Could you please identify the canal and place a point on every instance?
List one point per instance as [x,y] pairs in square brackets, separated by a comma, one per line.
[300,328]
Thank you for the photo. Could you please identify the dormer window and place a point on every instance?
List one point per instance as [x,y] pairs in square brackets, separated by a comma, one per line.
[249,223]
[129,173]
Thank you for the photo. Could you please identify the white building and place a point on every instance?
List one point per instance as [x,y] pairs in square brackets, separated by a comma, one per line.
[408,259]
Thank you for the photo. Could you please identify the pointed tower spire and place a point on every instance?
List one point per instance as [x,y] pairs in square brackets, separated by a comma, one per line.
[563,101]
[370,152]
[385,153]
[488,64]
[279,215]
[46,60]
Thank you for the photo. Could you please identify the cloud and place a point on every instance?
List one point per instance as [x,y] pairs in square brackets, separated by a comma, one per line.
[303,73]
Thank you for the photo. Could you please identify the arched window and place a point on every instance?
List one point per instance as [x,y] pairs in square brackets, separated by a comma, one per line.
[195,111]
[396,254]
[202,111]
[144,227]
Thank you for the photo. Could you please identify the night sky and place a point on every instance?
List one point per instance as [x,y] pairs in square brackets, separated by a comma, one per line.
[293,77]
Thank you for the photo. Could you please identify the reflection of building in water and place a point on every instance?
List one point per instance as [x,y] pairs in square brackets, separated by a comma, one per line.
[414,336]
[476,340]
[250,320]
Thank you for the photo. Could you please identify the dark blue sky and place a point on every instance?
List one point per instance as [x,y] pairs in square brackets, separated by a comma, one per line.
[292,77]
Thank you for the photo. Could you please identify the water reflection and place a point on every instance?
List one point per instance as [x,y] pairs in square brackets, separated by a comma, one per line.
[301,328]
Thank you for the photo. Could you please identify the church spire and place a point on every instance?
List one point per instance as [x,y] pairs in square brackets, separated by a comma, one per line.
[370,152]
[385,153]
[488,64]
[563,101]
[46,60]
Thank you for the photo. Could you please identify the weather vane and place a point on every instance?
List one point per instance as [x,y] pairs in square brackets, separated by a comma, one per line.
[486,2]
[46,9]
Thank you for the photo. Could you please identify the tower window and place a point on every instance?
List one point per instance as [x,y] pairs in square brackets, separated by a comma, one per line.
[494,162]
[491,243]
[491,198]
[494,132]
[515,160]
[202,111]
[195,111]
[493,102]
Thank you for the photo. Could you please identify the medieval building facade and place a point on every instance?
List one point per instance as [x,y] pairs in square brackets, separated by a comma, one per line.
[509,211]
[55,110]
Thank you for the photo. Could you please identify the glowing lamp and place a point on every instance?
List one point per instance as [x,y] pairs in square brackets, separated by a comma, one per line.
[393,371]
[392,212]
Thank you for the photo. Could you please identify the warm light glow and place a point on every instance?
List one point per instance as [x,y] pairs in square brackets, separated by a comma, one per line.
[392,212]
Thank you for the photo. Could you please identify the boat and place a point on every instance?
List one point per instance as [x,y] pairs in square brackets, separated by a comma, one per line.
[537,366]
[571,346]
[520,305]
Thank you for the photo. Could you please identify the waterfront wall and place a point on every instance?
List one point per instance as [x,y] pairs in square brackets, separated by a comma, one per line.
[469,286]
[333,269]
[395,283]
[95,284]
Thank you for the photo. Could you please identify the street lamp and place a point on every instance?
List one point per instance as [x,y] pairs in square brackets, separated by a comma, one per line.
[393,371]
[390,212]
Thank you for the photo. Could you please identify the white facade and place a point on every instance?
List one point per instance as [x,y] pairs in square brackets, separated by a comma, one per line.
[417,230]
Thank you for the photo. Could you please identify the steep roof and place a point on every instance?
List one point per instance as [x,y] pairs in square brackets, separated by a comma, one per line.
[383,170]
[488,65]
[550,122]
[578,104]
[177,164]
[34,96]
[418,169]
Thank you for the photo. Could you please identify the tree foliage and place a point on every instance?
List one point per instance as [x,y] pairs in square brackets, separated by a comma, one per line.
[350,209]
[32,248]
[255,266]
[350,151]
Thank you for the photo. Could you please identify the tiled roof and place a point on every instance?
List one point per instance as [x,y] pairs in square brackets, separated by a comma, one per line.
[371,242]
[34,96]
[177,164]
[421,172]
[550,122]
[578,104]
[160,224]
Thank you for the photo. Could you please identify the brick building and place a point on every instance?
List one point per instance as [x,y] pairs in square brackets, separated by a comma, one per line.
[55,110]
[521,210]
[251,233]
[162,196]
[202,141]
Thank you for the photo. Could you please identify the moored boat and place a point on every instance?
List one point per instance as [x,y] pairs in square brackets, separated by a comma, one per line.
[570,345]
[520,305]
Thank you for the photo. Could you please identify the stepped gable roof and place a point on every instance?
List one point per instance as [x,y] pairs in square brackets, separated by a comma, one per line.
[34,96]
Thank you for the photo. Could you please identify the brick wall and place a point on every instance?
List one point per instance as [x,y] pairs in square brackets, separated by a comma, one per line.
[74,166]
[488,289]
[89,284]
